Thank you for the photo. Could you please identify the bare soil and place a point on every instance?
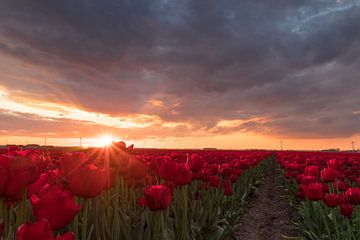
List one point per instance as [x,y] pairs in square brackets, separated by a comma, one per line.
[269,215]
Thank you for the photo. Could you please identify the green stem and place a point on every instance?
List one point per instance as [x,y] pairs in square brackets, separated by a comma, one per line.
[21,215]
[323,214]
[75,222]
[85,220]
[119,187]
[156,229]
[335,223]
[184,224]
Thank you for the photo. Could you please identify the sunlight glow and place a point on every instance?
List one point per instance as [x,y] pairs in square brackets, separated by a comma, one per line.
[106,140]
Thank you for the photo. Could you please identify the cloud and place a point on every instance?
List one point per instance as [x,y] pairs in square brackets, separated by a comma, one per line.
[293,63]
[25,124]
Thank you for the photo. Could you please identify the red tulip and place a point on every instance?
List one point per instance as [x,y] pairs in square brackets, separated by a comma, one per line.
[196,162]
[30,231]
[336,164]
[214,180]
[49,177]
[226,183]
[234,178]
[4,179]
[312,170]
[13,149]
[141,202]
[183,175]
[130,147]
[339,185]
[329,174]
[214,168]
[121,145]
[70,162]
[205,174]
[225,170]
[306,179]
[314,191]
[18,170]
[342,198]
[353,195]
[331,200]
[136,169]
[57,206]
[119,157]
[196,175]
[167,169]
[326,188]
[346,210]
[158,197]
[16,184]
[40,231]
[87,181]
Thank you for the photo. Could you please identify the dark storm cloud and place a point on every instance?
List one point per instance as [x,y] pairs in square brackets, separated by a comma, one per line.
[293,63]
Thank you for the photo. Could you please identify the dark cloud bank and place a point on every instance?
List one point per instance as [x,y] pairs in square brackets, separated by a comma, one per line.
[293,63]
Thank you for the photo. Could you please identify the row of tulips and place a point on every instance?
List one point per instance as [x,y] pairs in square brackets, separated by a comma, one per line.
[326,190]
[121,193]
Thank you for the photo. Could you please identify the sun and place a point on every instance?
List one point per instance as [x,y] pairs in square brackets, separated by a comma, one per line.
[106,140]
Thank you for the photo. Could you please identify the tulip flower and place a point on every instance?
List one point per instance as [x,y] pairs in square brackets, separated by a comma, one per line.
[49,177]
[167,169]
[312,170]
[4,179]
[158,197]
[329,174]
[17,170]
[136,169]
[70,162]
[87,181]
[346,210]
[353,195]
[40,231]
[196,162]
[314,191]
[339,185]
[56,206]
[183,175]
[331,200]
[336,164]
[141,202]
[214,180]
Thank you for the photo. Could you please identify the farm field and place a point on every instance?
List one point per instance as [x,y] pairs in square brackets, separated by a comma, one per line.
[118,192]
[179,120]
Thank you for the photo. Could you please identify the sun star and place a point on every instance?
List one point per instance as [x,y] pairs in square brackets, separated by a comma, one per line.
[106,140]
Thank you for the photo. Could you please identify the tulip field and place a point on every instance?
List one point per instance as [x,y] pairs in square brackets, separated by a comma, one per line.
[325,189]
[119,192]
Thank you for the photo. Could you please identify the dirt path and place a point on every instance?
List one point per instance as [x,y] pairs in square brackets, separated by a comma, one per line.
[269,215]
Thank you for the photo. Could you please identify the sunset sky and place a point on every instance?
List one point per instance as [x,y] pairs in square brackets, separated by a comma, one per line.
[184,74]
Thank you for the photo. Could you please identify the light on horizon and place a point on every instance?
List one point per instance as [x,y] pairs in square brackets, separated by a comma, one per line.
[106,140]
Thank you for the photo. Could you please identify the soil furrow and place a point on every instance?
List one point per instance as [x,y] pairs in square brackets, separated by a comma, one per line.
[269,215]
